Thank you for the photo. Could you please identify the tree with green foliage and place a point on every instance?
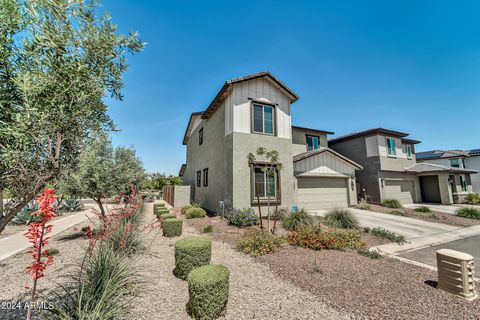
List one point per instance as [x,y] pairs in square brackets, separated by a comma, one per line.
[157,180]
[58,60]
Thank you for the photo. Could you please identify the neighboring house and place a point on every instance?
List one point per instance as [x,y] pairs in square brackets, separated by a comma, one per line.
[391,171]
[255,111]
[467,159]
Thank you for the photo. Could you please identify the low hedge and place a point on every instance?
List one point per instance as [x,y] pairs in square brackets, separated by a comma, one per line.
[195,213]
[172,227]
[165,216]
[159,213]
[191,253]
[208,288]
[188,206]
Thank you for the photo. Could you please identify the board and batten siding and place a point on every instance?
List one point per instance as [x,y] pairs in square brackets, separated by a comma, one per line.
[238,106]
[324,163]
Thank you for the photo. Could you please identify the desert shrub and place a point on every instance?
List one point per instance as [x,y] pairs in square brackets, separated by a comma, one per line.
[188,206]
[387,234]
[468,212]
[373,254]
[423,209]
[104,288]
[191,253]
[313,237]
[280,214]
[294,220]
[51,252]
[257,243]
[195,212]
[391,203]
[396,213]
[124,237]
[241,217]
[172,228]
[208,288]
[24,216]
[208,229]
[472,198]
[341,218]
[363,205]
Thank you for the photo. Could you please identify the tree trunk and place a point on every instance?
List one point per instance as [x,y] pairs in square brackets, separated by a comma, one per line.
[4,220]
[1,202]
[258,201]
[100,206]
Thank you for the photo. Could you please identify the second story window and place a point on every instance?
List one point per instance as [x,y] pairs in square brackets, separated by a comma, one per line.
[200,136]
[199,178]
[263,119]
[312,142]
[391,147]
[455,163]
[408,151]
[205,177]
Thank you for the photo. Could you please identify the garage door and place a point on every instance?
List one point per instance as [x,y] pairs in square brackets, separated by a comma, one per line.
[322,193]
[401,190]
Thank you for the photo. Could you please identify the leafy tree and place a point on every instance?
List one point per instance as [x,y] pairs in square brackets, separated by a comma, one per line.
[58,59]
[157,180]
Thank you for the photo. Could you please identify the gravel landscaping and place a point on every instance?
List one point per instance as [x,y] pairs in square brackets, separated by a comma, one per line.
[441,217]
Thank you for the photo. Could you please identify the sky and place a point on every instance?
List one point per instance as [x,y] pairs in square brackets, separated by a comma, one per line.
[412,66]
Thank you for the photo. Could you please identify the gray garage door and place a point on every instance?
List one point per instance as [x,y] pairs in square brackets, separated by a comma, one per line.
[322,193]
[401,190]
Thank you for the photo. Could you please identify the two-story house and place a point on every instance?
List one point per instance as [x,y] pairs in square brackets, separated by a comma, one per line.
[391,170]
[251,112]
[465,159]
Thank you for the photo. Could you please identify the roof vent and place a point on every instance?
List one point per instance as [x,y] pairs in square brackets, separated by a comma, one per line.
[455,273]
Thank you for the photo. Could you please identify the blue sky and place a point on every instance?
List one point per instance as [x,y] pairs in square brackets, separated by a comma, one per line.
[412,66]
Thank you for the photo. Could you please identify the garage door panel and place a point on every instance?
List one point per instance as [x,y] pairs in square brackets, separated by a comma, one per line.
[401,190]
[321,193]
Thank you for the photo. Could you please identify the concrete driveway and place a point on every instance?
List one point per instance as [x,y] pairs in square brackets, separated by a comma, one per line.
[408,227]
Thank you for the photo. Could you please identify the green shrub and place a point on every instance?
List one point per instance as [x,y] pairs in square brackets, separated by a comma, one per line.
[159,206]
[166,216]
[397,213]
[387,234]
[391,203]
[472,198]
[191,253]
[125,237]
[257,243]
[363,205]
[208,288]
[423,209]
[207,229]
[195,212]
[280,214]
[433,216]
[51,252]
[188,206]
[172,228]
[341,218]
[159,213]
[241,217]
[294,220]
[468,212]
[373,254]
[313,237]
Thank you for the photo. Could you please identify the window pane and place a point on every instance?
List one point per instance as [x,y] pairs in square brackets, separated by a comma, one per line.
[391,146]
[463,182]
[268,119]
[257,118]
[315,143]
[260,179]
[409,151]
[271,185]
[455,163]
[309,143]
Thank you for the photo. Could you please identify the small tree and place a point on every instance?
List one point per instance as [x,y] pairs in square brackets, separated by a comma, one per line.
[270,167]
[157,180]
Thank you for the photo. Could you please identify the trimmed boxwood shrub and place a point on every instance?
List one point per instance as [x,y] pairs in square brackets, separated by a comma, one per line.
[172,227]
[165,216]
[159,213]
[208,288]
[195,213]
[191,253]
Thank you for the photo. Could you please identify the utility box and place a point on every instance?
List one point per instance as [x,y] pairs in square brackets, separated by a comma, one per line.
[455,273]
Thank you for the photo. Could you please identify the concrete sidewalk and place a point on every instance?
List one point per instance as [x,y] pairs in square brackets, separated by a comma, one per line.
[17,242]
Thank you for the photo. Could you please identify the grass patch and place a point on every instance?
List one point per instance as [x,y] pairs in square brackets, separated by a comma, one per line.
[391,203]
[386,234]
[294,220]
[423,209]
[341,218]
[468,212]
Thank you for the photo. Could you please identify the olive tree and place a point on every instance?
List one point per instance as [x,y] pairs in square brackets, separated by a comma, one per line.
[58,60]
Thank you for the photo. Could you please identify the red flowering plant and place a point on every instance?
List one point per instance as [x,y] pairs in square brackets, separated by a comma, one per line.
[37,235]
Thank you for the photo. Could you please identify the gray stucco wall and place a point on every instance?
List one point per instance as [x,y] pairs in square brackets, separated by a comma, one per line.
[474,164]
[245,143]
[299,140]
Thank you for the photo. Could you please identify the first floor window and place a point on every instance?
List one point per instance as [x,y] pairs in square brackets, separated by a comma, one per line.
[312,143]
[266,183]
[391,146]
[205,177]
[263,119]
[463,182]
[199,178]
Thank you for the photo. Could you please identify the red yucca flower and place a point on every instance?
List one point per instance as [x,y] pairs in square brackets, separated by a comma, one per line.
[36,235]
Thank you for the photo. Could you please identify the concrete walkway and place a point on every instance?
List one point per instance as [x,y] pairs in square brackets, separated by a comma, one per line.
[17,242]
[410,228]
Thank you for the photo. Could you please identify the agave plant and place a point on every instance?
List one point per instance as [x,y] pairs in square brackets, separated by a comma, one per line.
[24,217]
[71,205]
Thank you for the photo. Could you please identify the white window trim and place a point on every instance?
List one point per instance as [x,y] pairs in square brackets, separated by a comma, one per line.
[265,186]
[263,118]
